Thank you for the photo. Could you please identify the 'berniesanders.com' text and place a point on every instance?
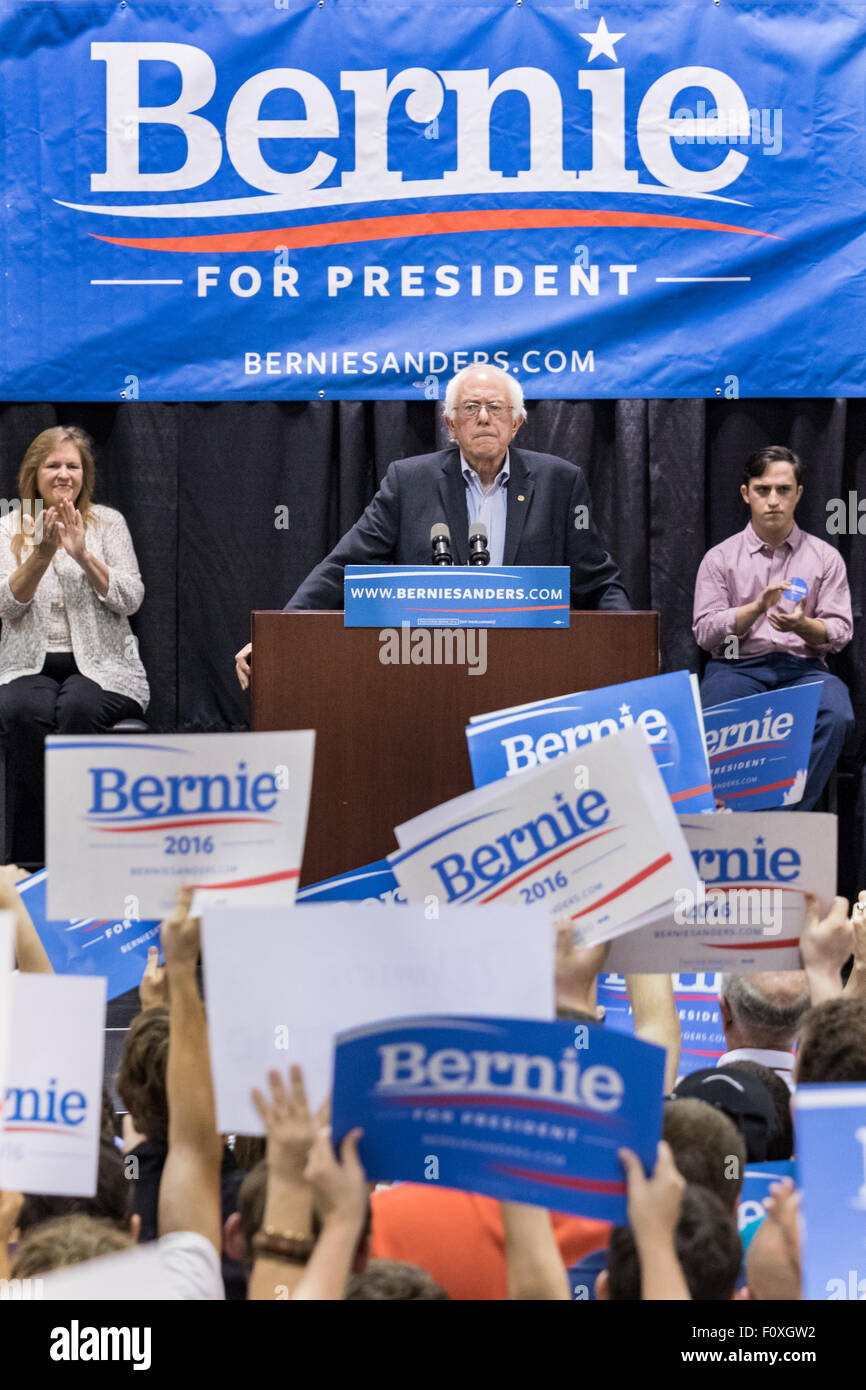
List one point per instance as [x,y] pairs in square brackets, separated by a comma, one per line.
[338,362]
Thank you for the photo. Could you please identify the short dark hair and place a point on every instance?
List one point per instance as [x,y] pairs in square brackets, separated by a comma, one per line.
[707,1243]
[108,1123]
[395,1281]
[704,1141]
[252,1196]
[780,1140]
[141,1079]
[758,462]
[251,1203]
[112,1202]
[832,1042]
[249,1149]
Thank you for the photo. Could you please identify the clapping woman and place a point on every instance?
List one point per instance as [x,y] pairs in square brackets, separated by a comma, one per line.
[68,660]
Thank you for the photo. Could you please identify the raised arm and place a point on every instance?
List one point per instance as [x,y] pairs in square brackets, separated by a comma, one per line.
[653,1213]
[825,945]
[535,1267]
[656,1019]
[10,1210]
[189,1194]
[339,1187]
[576,974]
[31,957]
[773,1257]
[856,985]
[285,1242]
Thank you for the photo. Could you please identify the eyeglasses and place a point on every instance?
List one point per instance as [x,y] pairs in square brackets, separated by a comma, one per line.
[494,409]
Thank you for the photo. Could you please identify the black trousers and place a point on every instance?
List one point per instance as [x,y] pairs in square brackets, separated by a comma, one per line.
[57,701]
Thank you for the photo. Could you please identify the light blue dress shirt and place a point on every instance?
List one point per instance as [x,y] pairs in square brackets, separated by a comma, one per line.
[488,505]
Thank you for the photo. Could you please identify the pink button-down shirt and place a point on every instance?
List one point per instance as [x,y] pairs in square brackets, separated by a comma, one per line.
[737,571]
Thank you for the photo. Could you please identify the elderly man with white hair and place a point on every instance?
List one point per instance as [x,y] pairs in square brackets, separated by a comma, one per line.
[536,507]
[760,1017]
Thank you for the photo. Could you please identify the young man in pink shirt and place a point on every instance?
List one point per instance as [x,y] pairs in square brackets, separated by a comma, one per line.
[758,640]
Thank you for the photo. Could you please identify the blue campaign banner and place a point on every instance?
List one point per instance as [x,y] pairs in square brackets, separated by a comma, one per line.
[757,1181]
[520,1110]
[292,199]
[830,1129]
[115,949]
[456,596]
[697,1001]
[372,883]
[667,708]
[759,747]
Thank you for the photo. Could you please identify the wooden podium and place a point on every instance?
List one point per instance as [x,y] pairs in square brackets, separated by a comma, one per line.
[390,739]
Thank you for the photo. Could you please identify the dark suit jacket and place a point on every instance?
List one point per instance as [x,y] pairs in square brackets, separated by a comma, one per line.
[539,530]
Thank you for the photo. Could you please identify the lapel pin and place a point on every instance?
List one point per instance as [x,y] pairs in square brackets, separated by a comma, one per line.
[520,497]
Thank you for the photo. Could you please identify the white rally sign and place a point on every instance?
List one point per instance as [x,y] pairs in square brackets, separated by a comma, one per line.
[52,1100]
[593,837]
[131,819]
[280,984]
[748,912]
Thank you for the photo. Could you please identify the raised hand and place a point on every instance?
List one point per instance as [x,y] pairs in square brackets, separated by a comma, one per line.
[289,1126]
[9,877]
[153,987]
[242,665]
[858,925]
[10,1210]
[576,969]
[783,1208]
[71,530]
[825,945]
[48,524]
[180,933]
[339,1185]
[653,1203]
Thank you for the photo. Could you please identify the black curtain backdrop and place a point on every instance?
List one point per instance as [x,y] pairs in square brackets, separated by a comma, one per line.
[203,486]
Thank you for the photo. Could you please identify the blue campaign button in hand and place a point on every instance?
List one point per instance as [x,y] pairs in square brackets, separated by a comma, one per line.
[798,590]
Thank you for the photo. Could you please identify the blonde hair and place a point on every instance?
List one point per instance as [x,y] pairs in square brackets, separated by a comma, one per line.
[68,1240]
[39,450]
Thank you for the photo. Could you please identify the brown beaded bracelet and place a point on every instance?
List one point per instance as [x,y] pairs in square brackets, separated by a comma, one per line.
[283,1245]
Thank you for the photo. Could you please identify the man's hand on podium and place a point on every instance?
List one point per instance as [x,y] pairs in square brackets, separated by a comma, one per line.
[242,665]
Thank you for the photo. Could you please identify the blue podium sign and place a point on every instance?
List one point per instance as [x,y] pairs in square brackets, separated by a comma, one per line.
[457,596]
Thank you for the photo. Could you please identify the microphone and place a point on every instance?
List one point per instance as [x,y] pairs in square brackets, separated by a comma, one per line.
[478,552]
[440,539]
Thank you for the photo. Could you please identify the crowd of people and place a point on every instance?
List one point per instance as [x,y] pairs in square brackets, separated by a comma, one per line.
[288,1217]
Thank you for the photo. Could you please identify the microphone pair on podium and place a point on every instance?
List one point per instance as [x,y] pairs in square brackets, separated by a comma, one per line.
[440,540]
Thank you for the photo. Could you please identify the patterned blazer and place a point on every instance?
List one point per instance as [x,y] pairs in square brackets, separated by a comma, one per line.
[103,644]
